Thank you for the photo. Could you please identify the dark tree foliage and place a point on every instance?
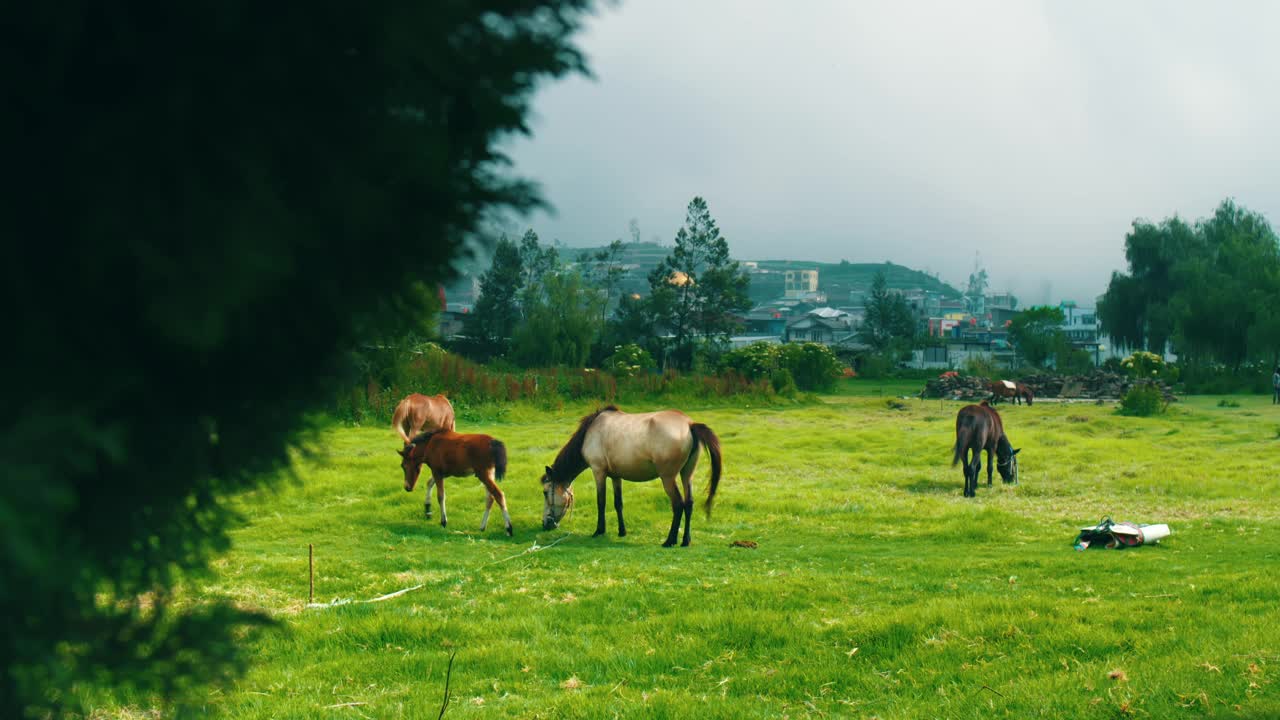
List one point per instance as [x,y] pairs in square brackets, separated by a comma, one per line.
[493,321]
[1037,334]
[698,291]
[1210,289]
[889,326]
[210,204]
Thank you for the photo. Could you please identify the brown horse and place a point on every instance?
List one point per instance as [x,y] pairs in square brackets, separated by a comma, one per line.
[450,454]
[978,428]
[419,413]
[1009,389]
[618,446]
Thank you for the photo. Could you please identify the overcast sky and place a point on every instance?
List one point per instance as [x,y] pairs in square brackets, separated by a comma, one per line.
[916,132]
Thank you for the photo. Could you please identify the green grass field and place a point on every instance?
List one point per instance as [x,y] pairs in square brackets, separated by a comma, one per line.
[876,589]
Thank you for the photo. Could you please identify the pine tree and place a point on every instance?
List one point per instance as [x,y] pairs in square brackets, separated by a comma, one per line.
[697,291]
[492,322]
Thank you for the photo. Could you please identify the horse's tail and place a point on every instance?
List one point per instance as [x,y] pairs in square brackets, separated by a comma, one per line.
[702,434]
[964,433]
[398,418]
[499,452]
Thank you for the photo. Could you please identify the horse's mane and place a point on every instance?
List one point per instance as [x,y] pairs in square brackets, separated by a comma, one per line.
[422,437]
[569,462]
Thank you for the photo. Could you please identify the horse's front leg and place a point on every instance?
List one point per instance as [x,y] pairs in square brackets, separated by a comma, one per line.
[426,504]
[677,507]
[990,465]
[600,478]
[617,505]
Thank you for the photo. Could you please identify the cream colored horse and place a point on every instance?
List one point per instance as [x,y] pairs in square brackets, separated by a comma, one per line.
[619,446]
[417,414]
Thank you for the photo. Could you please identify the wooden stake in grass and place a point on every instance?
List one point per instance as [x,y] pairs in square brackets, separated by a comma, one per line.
[311,573]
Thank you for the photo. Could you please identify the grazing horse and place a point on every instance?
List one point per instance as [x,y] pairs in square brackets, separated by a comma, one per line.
[978,428]
[619,446]
[450,454]
[1010,389]
[418,413]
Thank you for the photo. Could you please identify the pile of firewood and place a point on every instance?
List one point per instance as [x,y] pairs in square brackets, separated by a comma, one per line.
[956,387]
[1099,385]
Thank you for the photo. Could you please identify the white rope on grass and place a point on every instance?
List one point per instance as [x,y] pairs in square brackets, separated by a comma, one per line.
[533,549]
[348,601]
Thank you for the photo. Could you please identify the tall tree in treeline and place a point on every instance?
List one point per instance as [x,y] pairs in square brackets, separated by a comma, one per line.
[496,314]
[1037,334]
[697,291]
[537,262]
[603,272]
[1209,290]
[218,202]
[889,327]
[560,326]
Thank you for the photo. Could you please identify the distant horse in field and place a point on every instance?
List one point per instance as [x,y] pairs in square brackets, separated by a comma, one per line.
[978,428]
[419,413]
[1008,389]
[450,454]
[620,446]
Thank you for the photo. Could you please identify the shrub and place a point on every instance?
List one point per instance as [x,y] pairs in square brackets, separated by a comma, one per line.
[1143,400]
[813,366]
[875,367]
[1148,366]
[783,382]
[628,361]
[757,360]
[981,365]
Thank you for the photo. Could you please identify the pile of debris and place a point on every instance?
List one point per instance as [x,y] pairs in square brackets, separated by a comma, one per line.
[1097,385]
[953,386]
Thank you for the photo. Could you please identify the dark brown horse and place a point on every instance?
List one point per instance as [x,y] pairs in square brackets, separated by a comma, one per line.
[450,454]
[978,428]
[619,446]
[1008,389]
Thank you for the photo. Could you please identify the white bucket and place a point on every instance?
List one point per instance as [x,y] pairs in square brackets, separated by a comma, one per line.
[1153,533]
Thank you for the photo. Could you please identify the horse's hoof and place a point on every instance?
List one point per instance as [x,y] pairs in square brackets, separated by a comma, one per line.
[597,533]
[684,544]
[622,533]
[669,543]
[509,534]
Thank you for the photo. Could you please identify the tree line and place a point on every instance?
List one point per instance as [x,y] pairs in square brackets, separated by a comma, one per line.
[534,309]
[1207,290]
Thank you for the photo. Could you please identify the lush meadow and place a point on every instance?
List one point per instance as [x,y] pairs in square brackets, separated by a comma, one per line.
[876,590]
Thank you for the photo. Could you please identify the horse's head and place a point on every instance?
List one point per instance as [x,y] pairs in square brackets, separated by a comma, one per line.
[411,464]
[1007,461]
[557,500]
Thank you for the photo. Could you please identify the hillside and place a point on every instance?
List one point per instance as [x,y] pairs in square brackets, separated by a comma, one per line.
[835,279]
